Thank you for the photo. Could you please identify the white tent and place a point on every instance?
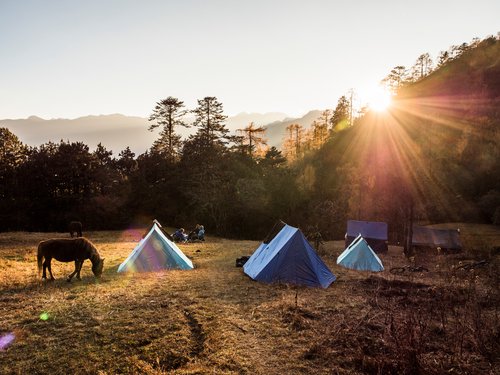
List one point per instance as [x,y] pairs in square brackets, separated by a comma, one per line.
[360,256]
[155,252]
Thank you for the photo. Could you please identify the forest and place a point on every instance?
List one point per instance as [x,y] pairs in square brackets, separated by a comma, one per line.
[432,157]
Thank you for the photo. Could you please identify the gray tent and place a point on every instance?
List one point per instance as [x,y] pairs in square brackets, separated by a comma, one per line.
[446,239]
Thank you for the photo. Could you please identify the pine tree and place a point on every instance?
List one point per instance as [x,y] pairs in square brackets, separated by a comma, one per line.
[126,162]
[422,67]
[395,79]
[319,133]
[168,113]
[210,121]
[340,118]
[12,154]
[292,145]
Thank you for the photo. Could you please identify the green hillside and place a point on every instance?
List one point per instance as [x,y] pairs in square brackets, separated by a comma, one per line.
[475,73]
[435,152]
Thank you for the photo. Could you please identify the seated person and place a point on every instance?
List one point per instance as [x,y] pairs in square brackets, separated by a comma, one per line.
[180,235]
[201,233]
[193,235]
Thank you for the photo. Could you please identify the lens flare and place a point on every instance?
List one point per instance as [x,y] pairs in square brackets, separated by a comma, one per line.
[131,235]
[6,340]
[44,316]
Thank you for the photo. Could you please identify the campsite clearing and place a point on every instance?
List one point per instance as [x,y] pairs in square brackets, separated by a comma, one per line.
[215,319]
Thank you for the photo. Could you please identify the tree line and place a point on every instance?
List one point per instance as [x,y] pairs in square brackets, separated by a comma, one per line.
[211,177]
[234,184]
[343,167]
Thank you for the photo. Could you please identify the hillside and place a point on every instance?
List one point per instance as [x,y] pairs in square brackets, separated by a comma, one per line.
[242,119]
[458,106]
[435,155]
[475,73]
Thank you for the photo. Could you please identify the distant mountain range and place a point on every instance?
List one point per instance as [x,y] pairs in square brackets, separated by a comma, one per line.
[117,131]
[275,131]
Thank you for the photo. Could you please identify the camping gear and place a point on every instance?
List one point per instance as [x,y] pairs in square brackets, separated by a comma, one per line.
[156,252]
[240,262]
[473,265]
[407,269]
[360,256]
[285,256]
[446,239]
[374,232]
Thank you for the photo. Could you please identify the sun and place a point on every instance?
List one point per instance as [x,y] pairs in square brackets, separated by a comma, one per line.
[380,101]
[376,98]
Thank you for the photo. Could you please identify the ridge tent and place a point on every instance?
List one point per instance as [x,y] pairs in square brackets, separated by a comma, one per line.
[285,256]
[374,232]
[360,256]
[448,239]
[155,252]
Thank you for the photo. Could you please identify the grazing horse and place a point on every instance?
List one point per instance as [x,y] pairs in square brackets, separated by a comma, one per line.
[67,250]
[76,228]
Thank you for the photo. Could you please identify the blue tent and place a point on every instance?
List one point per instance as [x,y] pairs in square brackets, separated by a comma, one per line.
[287,257]
[360,256]
[374,232]
[155,252]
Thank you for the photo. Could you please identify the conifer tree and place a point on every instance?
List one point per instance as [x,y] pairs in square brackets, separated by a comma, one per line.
[340,118]
[395,79]
[168,113]
[210,121]
[422,67]
[292,145]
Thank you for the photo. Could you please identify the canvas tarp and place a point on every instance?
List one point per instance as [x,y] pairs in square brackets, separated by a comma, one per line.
[288,258]
[155,252]
[374,232]
[360,256]
[431,237]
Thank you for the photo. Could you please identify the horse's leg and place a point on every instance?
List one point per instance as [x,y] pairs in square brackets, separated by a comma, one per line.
[49,266]
[79,269]
[44,274]
[70,276]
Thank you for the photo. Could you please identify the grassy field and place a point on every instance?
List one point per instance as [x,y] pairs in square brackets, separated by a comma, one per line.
[215,320]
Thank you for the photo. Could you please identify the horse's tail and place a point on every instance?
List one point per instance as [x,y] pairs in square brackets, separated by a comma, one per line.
[39,258]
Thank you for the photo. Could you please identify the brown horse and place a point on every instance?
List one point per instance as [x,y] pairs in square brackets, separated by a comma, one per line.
[76,228]
[68,250]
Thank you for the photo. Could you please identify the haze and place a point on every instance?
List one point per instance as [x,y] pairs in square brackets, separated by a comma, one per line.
[73,58]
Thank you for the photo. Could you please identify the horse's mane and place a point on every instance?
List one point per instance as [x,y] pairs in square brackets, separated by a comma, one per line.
[94,254]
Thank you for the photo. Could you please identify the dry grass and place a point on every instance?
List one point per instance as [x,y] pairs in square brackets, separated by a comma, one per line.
[216,320]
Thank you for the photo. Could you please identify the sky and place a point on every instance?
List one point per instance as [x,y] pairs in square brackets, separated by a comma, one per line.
[72,58]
